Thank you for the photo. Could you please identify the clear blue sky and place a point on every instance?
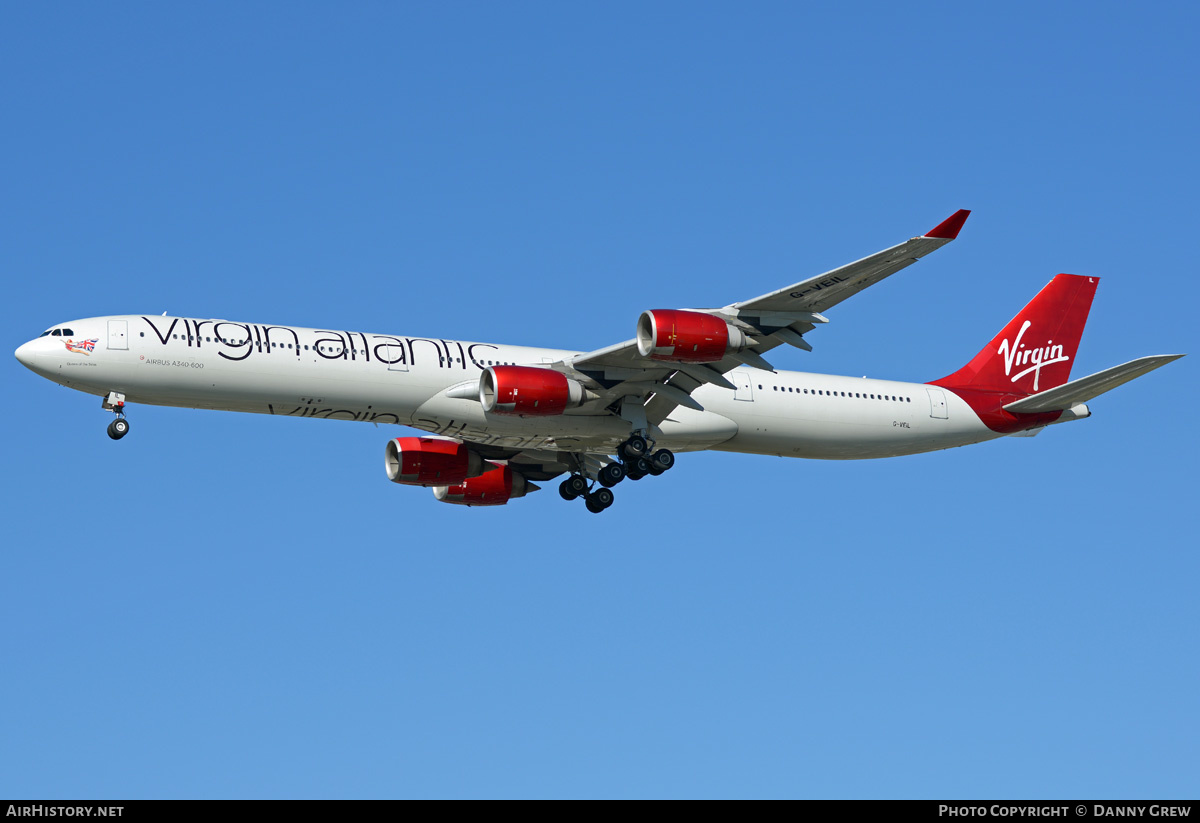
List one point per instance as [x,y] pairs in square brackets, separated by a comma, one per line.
[227,605]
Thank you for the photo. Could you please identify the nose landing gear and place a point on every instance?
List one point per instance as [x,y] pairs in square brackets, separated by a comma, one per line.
[115,402]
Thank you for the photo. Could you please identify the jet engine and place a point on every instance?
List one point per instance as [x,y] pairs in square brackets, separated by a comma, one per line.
[687,336]
[528,390]
[494,487]
[431,461]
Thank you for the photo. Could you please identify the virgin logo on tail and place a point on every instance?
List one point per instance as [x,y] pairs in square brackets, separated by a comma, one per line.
[1015,354]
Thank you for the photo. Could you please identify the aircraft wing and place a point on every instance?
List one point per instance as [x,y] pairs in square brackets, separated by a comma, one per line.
[826,290]
[782,316]
[1069,394]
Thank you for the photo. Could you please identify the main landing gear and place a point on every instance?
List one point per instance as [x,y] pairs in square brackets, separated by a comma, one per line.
[115,402]
[596,499]
[636,462]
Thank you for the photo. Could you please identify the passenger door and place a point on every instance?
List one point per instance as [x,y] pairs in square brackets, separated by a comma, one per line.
[118,335]
[937,404]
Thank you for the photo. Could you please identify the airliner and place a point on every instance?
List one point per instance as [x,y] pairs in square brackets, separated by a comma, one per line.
[495,420]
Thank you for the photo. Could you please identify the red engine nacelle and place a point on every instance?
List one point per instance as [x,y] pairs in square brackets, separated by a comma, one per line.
[686,336]
[528,390]
[430,461]
[494,487]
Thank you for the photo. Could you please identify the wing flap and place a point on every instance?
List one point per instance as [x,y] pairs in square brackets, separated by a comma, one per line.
[1069,394]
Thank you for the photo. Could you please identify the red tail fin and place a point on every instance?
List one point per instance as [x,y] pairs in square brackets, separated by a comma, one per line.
[1034,352]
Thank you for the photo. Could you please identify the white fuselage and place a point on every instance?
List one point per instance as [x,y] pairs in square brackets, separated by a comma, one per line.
[340,375]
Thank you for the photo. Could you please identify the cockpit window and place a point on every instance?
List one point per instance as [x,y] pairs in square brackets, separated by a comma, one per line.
[57,333]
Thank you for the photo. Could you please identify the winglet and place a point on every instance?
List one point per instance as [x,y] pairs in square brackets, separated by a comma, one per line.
[949,228]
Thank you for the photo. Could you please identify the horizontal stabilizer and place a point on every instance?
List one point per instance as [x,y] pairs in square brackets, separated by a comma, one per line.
[1085,388]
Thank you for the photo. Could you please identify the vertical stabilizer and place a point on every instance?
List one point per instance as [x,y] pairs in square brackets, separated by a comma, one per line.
[1034,352]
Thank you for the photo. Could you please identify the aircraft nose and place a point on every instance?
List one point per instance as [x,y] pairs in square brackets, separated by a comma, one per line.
[26,353]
